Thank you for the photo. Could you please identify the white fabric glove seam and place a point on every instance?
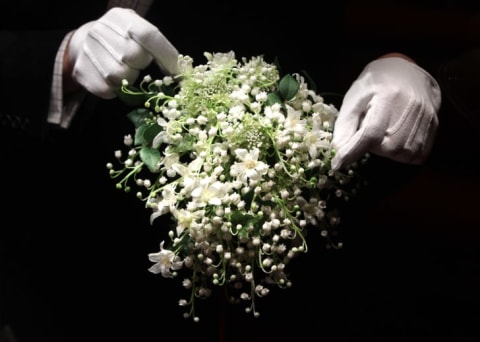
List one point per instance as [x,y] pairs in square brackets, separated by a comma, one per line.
[408,112]
[416,127]
[117,57]
[91,57]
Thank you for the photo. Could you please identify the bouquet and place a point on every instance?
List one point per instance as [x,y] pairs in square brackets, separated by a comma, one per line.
[239,156]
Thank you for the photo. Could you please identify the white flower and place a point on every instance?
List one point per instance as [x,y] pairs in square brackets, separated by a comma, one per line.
[186,218]
[317,139]
[165,262]
[128,140]
[249,167]
[294,122]
[166,202]
[210,193]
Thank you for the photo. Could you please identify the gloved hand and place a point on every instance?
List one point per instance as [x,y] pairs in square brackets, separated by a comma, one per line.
[116,47]
[391,111]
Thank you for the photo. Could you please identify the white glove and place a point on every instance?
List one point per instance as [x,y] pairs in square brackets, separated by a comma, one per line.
[391,111]
[116,47]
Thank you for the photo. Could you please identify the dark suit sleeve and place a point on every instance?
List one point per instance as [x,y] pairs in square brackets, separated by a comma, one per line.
[26,68]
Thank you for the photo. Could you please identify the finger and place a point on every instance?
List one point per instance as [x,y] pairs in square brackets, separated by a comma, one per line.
[97,79]
[130,25]
[112,47]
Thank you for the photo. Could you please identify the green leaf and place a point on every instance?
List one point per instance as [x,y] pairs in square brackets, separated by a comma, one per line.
[243,233]
[151,157]
[137,116]
[150,133]
[273,98]
[239,217]
[245,220]
[288,87]
[145,134]
[139,135]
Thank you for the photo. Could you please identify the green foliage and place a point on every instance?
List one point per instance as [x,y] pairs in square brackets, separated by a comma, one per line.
[150,156]
[151,132]
[273,98]
[287,90]
[288,87]
[138,116]
[140,136]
